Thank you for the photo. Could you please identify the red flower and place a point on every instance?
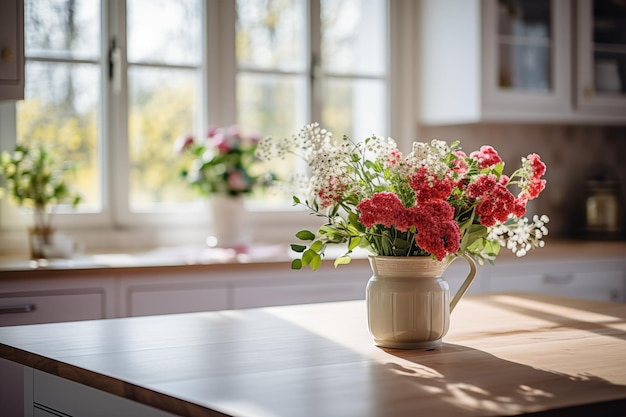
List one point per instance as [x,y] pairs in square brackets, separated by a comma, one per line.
[535,187]
[539,168]
[487,156]
[483,184]
[428,186]
[382,208]
[519,208]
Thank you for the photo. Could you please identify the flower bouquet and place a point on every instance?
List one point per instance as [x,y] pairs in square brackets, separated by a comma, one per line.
[224,162]
[436,202]
[33,179]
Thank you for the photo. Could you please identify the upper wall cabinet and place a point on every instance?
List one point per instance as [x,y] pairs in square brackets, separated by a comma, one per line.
[601,58]
[11,49]
[508,61]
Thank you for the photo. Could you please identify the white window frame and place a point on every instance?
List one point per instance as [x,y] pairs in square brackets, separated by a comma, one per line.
[116,228]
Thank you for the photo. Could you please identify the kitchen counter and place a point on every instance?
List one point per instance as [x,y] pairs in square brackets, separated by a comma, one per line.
[505,354]
[194,258]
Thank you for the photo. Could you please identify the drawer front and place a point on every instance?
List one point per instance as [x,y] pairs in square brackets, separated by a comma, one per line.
[54,395]
[157,299]
[51,306]
[262,296]
[602,286]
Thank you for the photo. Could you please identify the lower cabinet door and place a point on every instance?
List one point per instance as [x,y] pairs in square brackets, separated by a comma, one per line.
[54,396]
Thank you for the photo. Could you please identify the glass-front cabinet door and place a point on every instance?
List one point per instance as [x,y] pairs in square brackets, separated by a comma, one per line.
[527,55]
[601,57]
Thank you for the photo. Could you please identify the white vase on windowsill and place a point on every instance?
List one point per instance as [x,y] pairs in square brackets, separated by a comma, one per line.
[228,225]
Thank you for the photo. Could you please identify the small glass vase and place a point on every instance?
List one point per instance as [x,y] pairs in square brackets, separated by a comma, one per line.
[38,240]
[408,301]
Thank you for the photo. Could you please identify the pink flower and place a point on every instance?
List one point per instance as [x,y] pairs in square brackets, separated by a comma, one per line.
[393,157]
[254,138]
[221,142]
[211,131]
[460,165]
[331,193]
[183,143]
[487,156]
[237,181]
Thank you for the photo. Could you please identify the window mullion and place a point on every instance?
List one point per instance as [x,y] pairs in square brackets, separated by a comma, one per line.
[115,145]
[315,61]
[221,63]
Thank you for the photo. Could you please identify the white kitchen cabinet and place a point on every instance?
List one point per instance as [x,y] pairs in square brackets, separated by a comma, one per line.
[45,300]
[284,286]
[513,61]
[580,278]
[54,396]
[180,297]
[11,49]
[601,58]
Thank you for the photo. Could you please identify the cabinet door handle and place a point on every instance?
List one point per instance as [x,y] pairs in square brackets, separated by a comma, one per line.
[6,54]
[24,308]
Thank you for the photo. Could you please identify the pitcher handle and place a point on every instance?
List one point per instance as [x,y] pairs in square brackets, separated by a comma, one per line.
[468,281]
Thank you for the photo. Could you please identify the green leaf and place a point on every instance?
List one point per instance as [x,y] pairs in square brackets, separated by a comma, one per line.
[342,260]
[296,264]
[305,235]
[354,242]
[296,200]
[317,246]
[307,257]
[316,262]
[298,248]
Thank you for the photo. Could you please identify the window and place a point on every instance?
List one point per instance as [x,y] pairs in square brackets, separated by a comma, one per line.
[111,84]
[335,73]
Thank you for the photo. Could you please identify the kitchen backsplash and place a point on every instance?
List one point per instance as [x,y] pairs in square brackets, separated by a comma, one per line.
[572,154]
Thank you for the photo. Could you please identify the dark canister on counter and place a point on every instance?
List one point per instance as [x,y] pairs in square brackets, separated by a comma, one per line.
[603,208]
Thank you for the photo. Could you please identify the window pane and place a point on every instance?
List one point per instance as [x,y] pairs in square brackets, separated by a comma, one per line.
[61,110]
[164,31]
[69,28]
[162,106]
[357,108]
[271,34]
[354,36]
[272,105]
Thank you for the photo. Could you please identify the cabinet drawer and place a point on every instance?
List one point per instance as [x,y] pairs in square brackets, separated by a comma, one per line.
[53,395]
[603,286]
[262,296]
[51,306]
[165,299]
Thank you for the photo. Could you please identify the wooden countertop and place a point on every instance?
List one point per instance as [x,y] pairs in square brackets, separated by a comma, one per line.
[506,354]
